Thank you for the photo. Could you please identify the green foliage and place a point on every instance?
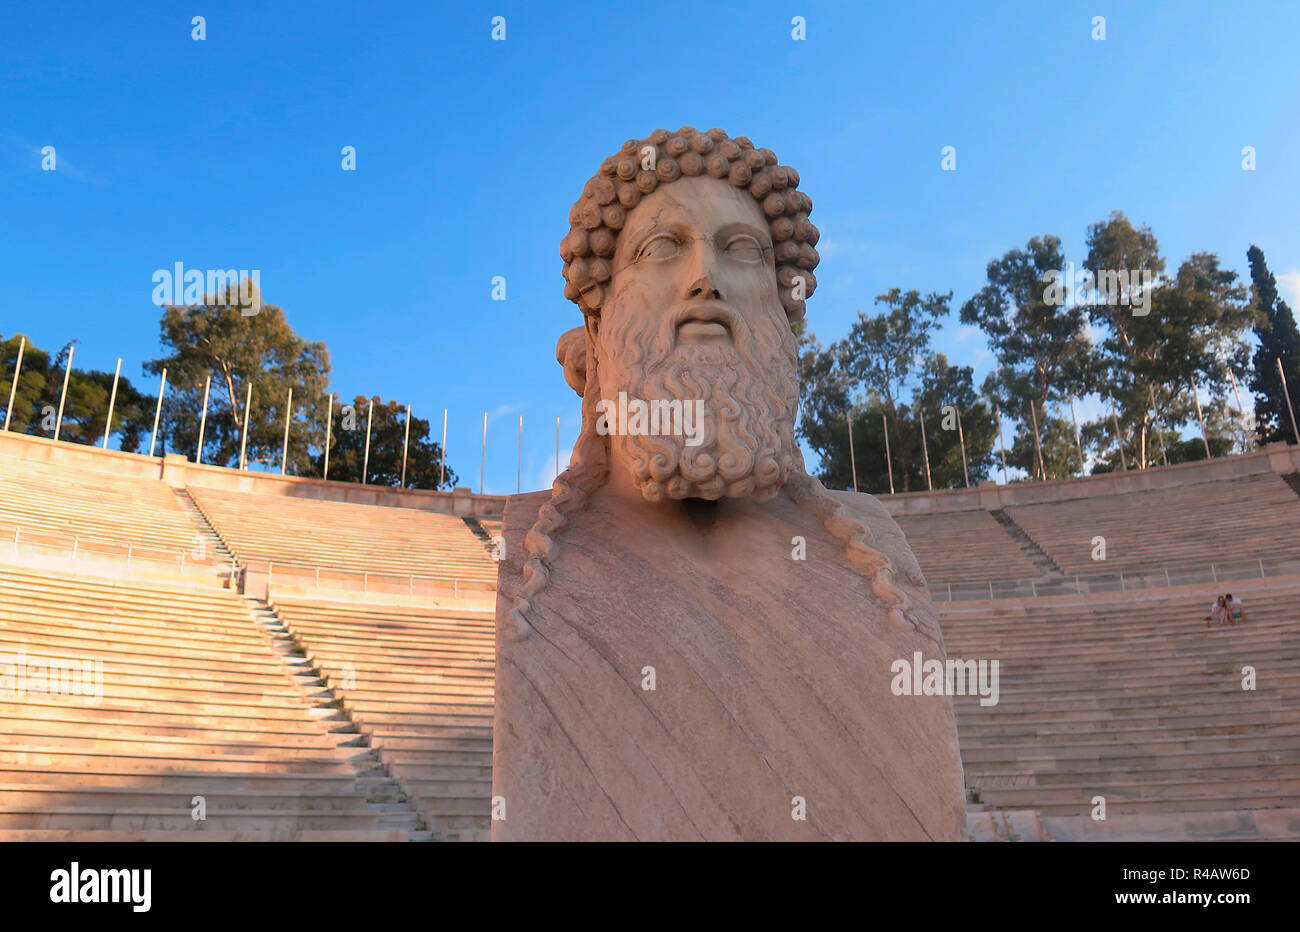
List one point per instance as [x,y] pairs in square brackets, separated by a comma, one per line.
[1043,352]
[1056,440]
[1278,340]
[1192,337]
[881,351]
[85,408]
[864,376]
[954,414]
[215,339]
[387,431]
[1040,346]
[1144,366]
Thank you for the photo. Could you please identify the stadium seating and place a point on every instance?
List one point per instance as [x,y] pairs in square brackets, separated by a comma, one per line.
[357,538]
[964,546]
[1225,520]
[418,682]
[1136,700]
[193,703]
[106,513]
[1126,696]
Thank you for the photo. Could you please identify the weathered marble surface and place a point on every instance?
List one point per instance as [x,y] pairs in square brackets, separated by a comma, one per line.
[772,681]
[673,552]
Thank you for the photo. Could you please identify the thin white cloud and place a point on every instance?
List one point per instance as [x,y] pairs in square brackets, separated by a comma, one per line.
[545,476]
[1288,283]
[33,157]
[502,410]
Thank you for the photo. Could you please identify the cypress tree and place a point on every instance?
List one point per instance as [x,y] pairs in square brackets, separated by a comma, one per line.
[1278,339]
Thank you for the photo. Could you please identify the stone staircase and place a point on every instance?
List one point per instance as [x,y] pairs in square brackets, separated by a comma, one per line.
[194,730]
[1005,825]
[1222,521]
[1036,554]
[478,530]
[209,539]
[1026,825]
[382,792]
[417,679]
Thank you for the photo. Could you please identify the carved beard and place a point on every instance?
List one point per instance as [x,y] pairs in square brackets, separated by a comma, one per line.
[750,394]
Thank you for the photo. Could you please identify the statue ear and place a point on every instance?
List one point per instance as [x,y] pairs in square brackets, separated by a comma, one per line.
[571,353]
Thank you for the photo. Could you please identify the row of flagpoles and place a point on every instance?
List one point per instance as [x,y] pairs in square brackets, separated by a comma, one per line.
[1038,447]
[284,449]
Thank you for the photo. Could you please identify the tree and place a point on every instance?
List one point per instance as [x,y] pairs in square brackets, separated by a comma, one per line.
[1056,441]
[954,414]
[881,351]
[1279,339]
[866,373]
[944,396]
[824,390]
[1190,337]
[1039,342]
[217,339]
[387,432]
[85,408]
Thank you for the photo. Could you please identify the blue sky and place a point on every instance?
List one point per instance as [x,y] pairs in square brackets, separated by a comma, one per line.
[225,153]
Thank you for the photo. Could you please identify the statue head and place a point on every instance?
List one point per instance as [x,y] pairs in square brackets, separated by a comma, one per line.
[690,255]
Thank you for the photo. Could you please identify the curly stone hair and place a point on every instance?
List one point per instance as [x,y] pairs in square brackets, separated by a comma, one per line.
[624,179]
[587,249]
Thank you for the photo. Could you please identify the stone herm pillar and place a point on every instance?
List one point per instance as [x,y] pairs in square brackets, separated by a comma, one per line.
[695,639]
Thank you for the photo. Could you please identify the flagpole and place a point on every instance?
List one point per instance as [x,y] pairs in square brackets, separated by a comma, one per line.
[889,462]
[13,387]
[925,449]
[329,429]
[406,440]
[203,420]
[112,400]
[442,459]
[67,371]
[284,447]
[365,460]
[961,438]
[1286,393]
[243,435]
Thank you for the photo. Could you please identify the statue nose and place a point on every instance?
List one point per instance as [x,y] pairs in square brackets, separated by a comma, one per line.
[704,288]
[701,271]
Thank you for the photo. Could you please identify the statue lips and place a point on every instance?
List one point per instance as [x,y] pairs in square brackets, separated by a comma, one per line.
[705,321]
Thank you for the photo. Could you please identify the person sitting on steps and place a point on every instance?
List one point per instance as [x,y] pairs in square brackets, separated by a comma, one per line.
[1218,612]
[1236,610]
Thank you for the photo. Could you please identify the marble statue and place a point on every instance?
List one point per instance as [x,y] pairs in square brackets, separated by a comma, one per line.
[695,637]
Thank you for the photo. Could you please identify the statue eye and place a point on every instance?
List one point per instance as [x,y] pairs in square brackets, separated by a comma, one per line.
[662,246]
[744,248]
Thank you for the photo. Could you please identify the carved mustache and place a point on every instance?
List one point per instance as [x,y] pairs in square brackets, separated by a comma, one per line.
[707,311]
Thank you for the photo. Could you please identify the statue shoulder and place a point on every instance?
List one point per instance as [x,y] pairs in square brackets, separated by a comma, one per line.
[885,532]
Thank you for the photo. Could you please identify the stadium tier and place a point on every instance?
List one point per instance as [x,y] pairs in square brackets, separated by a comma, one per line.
[964,546]
[302,711]
[53,505]
[1221,521]
[418,683]
[279,529]
[1136,700]
[170,717]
